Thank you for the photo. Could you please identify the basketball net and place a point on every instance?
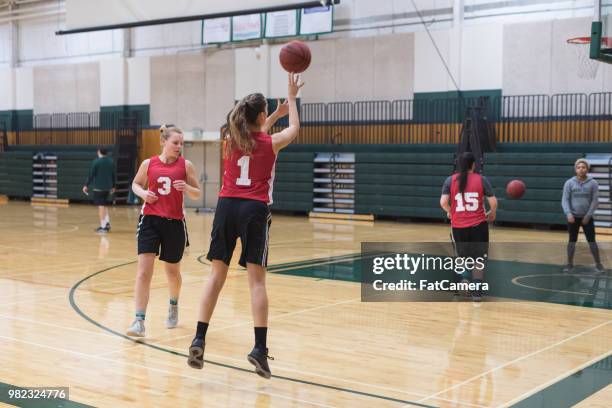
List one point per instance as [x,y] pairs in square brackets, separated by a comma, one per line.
[587,67]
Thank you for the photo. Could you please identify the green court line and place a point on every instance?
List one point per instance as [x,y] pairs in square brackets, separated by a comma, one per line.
[581,384]
[36,403]
[572,389]
[78,310]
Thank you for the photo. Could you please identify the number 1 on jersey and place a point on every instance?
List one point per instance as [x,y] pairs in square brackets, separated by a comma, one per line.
[244,179]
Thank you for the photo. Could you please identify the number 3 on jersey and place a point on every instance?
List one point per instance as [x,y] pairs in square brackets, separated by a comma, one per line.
[471,201]
[244,179]
[166,184]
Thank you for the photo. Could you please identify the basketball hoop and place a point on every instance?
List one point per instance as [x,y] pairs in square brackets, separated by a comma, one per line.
[587,67]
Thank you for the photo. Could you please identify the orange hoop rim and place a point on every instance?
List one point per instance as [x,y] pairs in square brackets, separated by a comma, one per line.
[605,41]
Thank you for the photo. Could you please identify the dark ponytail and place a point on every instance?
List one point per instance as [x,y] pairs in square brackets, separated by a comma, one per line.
[466,160]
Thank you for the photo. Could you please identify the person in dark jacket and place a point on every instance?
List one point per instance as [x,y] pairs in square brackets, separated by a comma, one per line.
[102,181]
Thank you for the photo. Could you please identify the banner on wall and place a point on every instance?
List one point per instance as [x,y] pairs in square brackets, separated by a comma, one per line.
[217,30]
[316,20]
[247,27]
[281,24]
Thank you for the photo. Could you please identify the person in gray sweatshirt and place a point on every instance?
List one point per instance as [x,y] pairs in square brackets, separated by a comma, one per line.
[579,202]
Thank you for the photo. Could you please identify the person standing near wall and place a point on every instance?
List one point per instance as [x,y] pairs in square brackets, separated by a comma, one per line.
[102,180]
[579,202]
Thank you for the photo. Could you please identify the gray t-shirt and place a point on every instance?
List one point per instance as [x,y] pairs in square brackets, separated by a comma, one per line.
[486,186]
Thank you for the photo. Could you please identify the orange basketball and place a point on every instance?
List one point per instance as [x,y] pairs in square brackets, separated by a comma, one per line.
[295,57]
[515,189]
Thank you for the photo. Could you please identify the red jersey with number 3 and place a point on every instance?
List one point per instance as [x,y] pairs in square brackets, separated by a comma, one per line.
[467,209]
[161,175]
[251,176]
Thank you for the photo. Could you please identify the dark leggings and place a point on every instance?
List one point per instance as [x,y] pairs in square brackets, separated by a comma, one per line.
[574,229]
[589,231]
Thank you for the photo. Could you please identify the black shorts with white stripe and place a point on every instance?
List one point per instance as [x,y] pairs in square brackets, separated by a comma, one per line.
[471,241]
[165,237]
[242,218]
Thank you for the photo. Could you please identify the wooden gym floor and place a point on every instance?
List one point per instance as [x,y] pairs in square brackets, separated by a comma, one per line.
[67,298]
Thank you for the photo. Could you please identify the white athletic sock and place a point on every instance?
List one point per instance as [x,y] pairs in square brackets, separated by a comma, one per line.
[106,220]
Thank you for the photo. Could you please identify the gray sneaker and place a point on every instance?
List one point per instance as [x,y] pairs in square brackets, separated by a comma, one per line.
[569,268]
[599,268]
[172,319]
[137,329]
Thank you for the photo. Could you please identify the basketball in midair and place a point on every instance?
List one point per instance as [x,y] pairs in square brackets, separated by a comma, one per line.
[515,189]
[295,57]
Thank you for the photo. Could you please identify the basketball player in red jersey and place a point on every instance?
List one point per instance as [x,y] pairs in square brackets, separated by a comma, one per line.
[161,228]
[462,198]
[242,211]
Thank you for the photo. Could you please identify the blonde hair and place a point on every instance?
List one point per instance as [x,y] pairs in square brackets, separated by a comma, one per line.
[166,130]
[244,114]
[586,163]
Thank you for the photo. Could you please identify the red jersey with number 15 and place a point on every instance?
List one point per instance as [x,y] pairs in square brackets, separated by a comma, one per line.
[161,175]
[251,176]
[467,209]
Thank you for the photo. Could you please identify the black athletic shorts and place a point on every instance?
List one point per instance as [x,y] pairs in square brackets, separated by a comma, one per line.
[165,237]
[471,241]
[101,197]
[242,218]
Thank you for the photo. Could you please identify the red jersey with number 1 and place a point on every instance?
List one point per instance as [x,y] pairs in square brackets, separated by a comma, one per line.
[251,176]
[467,209]
[161,175]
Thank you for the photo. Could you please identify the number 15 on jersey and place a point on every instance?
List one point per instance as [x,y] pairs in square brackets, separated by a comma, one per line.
[471,202]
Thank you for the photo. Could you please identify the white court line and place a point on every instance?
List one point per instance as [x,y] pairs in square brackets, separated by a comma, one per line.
[96,332]
[337,379]
[243,323]
[69,268]
[62,296]
[279,316]
[58,268]
[166,372]
[43,233]
[34,296]
[557,379]
[85,290]
[516,360]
